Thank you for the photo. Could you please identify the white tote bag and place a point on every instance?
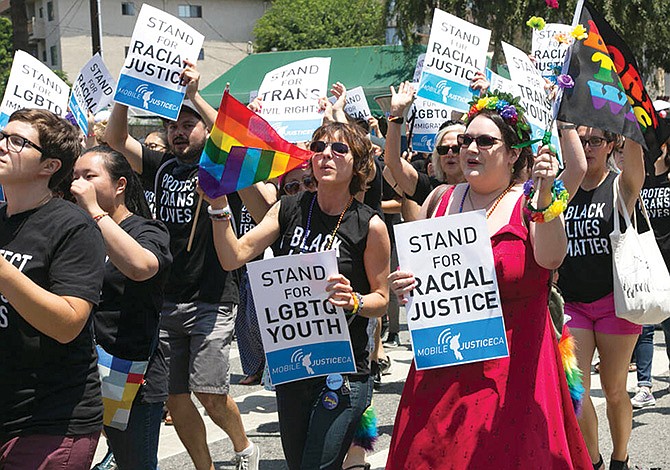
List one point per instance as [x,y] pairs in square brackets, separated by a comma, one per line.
[641,279]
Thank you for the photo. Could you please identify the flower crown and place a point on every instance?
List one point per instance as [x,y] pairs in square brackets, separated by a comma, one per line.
[506,105]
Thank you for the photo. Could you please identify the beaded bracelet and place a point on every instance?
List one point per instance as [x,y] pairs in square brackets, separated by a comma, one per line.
[100,216]
[559,202]
[219,214]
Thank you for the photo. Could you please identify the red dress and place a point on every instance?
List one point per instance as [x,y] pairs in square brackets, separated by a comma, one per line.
[511,413]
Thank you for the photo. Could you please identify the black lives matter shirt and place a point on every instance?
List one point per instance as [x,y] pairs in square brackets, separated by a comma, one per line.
[47,387]
[586,273]
[195,275]
[349,244]
[126,321]
[656,197]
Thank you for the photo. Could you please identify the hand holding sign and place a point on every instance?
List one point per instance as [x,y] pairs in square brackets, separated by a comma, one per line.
[340,291]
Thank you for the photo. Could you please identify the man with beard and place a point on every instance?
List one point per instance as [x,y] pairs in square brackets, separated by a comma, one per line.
[198,316]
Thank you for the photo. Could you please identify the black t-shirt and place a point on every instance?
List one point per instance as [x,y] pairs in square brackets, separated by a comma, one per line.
[126,321]
[656,197]
[373,193]
[424,185]
[195,275]
[47,387]
[586,273]
[350,242]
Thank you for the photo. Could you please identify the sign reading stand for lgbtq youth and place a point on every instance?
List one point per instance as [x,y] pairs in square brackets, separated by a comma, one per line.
[456,50]
[549,53]
[303,334]
[291,97]
[454,312]
[530,87]
[149,78]
[429,117]
[93,90]
[32,85]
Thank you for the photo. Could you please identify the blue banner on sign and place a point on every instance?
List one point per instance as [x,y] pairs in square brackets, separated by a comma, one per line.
[459,343]
[313,360]
[296,131]
[423,142]
[444,91]
[4,119]
[149,96]
[79,114]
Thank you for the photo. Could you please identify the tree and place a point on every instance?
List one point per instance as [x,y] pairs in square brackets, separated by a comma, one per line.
[6,52]
[320,24]
[641,23]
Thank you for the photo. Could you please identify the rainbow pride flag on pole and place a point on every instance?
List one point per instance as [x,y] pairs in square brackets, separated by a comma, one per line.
[243,149]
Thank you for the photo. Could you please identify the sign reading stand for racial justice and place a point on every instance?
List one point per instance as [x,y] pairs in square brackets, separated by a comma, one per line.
[32,85]
[454,313]
[549,53]
[303,334]
[291,97]
[93,90]
[150,77]
[456,50]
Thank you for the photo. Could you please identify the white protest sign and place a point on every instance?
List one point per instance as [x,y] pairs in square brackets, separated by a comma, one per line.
[291,97]
[429,117]
[303,334]
[530,87]
[150,75]
[456,50]
[32,85]
[93,90]
[357,105]
[500,83]
[419,67]
[549,53]
[454,313]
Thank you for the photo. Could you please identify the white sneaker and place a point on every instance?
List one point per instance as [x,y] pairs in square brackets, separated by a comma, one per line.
[643,398]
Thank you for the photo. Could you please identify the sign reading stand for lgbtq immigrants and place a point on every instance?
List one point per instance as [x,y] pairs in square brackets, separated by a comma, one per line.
[92,90]
[303,334]
[454,312]
[456,50]
[291,97]
[429,117]
[32,85]
[530,87]
[548,52]
[149,78]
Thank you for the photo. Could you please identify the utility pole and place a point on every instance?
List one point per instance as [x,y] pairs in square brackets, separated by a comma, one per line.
[96,26]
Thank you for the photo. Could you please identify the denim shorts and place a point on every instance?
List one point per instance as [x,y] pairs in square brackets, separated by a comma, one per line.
[196,338]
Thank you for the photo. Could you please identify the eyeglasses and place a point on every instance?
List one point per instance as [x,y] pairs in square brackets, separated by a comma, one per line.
[320,146]
[293,187]
[482,141]
[593,142]
[16,143]
[444,149]
[155,146]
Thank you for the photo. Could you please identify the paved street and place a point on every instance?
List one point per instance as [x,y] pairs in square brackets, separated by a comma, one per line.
[649,445]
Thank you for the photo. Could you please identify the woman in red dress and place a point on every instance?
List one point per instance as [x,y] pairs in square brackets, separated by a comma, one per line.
[515,412]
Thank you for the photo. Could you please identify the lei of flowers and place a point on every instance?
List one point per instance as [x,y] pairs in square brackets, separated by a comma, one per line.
[506,105]
[559,202]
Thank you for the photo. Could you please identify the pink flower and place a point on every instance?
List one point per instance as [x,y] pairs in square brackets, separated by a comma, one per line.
[552,3]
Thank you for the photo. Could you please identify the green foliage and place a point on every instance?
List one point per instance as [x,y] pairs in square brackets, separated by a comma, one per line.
[641,23]
[6,52]
[62,74]
[320,24]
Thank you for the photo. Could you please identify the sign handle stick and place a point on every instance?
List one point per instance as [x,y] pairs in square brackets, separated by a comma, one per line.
[195,222]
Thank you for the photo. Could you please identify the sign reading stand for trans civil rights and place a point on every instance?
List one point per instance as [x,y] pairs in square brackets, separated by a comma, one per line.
[149,78]
[92,90]
[303,334]
[291,97]
[32,85]
[456,50]
[454,313]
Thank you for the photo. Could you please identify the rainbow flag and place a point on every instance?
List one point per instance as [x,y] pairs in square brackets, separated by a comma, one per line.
[243,149]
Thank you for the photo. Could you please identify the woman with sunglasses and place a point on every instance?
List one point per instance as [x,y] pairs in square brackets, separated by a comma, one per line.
[585,279]
[514,412]
[310,222]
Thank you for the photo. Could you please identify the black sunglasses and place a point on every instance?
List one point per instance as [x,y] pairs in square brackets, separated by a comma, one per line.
[482,141]
[444,149]
[319,146]
[16,143]
[593,142]
[293,187]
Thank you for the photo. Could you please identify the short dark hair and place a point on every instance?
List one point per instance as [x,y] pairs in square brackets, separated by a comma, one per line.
[58,138]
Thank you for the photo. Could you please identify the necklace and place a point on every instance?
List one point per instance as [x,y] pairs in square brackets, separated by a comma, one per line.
[332,234]
[495,202]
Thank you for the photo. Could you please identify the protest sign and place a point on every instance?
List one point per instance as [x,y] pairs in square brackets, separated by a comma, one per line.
[93,90]
[530,87]
[456,50]
[32,85]
[357,105]
[150,77]
[500,83]
[454,313]
[548,52]
[429,117]
[303,334]
[419,67]
[291,97]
